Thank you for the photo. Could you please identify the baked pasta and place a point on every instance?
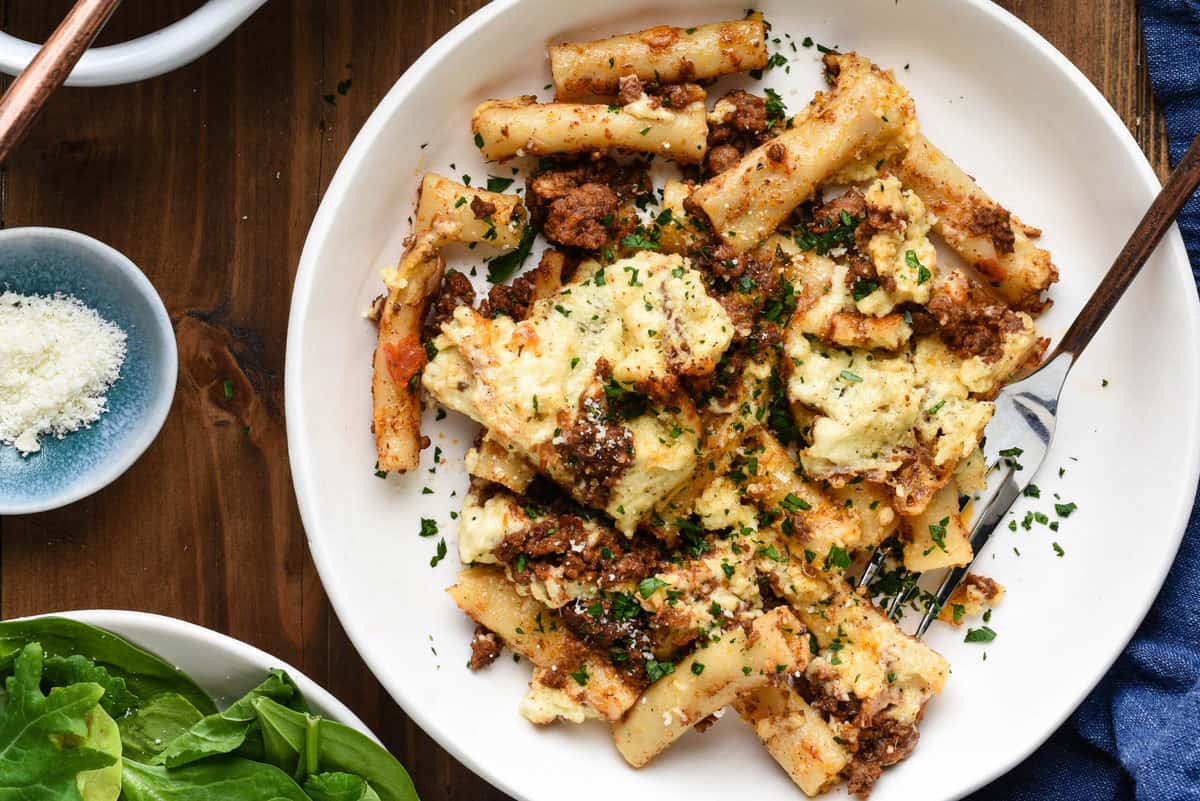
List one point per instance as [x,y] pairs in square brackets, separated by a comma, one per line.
[714,397]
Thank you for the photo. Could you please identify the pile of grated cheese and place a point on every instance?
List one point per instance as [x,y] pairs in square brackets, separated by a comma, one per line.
[57,360]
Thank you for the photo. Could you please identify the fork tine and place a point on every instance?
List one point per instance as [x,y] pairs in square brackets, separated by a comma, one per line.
[901,599]
[877,560]
[1007,493]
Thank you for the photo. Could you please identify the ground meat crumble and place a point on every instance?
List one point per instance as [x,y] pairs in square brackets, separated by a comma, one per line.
[742,128]
[974,326]
[576,204]
[994,222]
[456,290]
[485,647]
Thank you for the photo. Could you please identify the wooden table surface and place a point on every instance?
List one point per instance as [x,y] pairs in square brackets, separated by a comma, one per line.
[208,179]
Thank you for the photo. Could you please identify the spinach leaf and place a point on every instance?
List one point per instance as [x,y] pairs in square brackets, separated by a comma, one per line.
[225,732]
[225,778]
[144,673]
[61,671]
[339,787]
[302,745]
[43,737]
[149,730]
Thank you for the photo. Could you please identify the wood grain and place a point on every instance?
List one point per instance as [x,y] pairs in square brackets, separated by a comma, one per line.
[208,179]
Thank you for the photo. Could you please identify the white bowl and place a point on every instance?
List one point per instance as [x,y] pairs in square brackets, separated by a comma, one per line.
[1038,136]
[224,667]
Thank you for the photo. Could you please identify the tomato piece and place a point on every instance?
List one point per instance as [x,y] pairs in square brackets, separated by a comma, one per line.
[404,359]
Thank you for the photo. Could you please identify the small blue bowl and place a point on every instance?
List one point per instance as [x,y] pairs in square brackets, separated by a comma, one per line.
[43,261]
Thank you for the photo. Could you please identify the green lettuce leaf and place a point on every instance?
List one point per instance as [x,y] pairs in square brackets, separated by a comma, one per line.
[227,731]
[222,778]
[339,787]
[145,675]
[42,736]
[101,784]
[301,745]
[62,671]
[148,731]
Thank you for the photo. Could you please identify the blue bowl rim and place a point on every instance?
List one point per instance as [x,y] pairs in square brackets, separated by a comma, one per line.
[164,389]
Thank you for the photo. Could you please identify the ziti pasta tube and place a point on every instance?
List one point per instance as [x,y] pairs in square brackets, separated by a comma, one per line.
[400,357]
[662,54]
[983,232]
[533,631]
[865,117]
[451,212]
[709,680]
[796,736]
[521,126]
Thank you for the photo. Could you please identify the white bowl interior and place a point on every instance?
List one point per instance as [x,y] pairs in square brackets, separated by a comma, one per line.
[226,668]
[1038,137]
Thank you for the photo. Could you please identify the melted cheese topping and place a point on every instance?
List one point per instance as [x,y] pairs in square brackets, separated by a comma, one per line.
[647,316]
[889,250]
[872,408]
[867,406]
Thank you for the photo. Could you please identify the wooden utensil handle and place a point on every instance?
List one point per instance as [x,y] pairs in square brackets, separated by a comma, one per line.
[1180,185]
[53,63]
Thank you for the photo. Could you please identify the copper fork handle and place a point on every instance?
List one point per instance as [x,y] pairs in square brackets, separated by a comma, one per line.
[53,63]
[1180,185]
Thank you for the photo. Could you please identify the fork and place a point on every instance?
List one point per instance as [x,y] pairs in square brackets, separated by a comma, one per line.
[1019,434]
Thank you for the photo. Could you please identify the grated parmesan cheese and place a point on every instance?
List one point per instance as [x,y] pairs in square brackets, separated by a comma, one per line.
[57,360]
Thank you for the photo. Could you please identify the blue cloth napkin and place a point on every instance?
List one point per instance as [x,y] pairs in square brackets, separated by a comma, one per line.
[1137,736]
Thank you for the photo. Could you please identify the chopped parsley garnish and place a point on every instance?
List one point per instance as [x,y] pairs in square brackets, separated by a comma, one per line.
[624,403]
[655,670]
[840,235]
[694,541]
[522,560]
[1058,549]
[772,553]
[647,586]
[776,108]
[478,143]
[440,554]
[863,287]
[227,386]
[498,184]
[623,606]
[429,527]
[1065,509]
[639,240]
[501,268]
[379,473]
[1032,491]
[846,375]
[935,408]
[923,274]
[794,503]
[981,634]
[937,533]
[581,676]
[430,350]
[697,668]
[779,309]
[837,557]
